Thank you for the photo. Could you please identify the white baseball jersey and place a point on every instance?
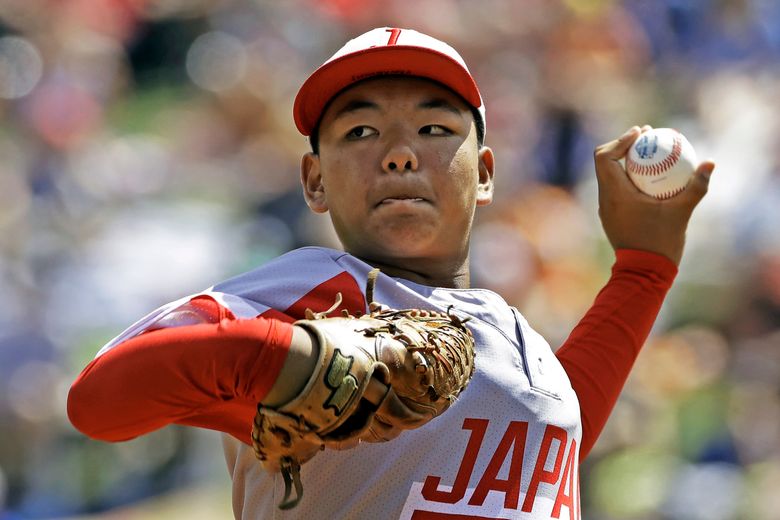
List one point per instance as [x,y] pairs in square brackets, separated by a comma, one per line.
[507,448]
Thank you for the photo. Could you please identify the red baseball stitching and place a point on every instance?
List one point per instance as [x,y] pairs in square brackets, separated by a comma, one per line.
[669,194]
[660,167]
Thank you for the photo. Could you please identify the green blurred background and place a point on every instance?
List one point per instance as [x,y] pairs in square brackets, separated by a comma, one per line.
[148,151]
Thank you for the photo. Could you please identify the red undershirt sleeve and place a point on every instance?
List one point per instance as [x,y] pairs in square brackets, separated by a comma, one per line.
[208,375]
[602,348]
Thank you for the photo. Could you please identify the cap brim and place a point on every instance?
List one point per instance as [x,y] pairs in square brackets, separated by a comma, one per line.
[336,75]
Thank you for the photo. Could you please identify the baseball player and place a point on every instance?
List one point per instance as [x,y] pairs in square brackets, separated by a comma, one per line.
[398,160]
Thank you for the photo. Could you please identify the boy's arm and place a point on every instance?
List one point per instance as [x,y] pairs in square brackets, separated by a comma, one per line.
[195,372]
[648,236]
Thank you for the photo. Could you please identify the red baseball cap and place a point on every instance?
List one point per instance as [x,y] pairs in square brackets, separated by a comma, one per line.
[380,52]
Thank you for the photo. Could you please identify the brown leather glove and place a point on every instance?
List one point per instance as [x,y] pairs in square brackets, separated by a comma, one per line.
[376,375]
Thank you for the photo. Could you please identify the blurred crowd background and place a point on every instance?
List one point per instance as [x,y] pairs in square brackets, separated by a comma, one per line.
[147,151]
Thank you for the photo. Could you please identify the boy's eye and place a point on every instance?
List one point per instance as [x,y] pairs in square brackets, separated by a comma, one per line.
[435,130]
[360,131]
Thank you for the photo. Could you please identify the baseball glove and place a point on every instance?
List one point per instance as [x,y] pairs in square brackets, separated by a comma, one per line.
[376,375]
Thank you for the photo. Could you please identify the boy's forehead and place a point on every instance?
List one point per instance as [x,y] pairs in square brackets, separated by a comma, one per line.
[394,88]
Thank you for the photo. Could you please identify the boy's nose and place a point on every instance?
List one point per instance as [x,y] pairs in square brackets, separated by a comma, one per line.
[399,159]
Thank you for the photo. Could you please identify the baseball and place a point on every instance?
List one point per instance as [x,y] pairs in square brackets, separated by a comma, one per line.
[661,162]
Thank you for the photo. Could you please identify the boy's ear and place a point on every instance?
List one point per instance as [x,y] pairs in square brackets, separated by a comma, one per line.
[486,169]
[311,181]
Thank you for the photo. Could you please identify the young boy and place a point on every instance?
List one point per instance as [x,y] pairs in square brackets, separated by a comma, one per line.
[398,160]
